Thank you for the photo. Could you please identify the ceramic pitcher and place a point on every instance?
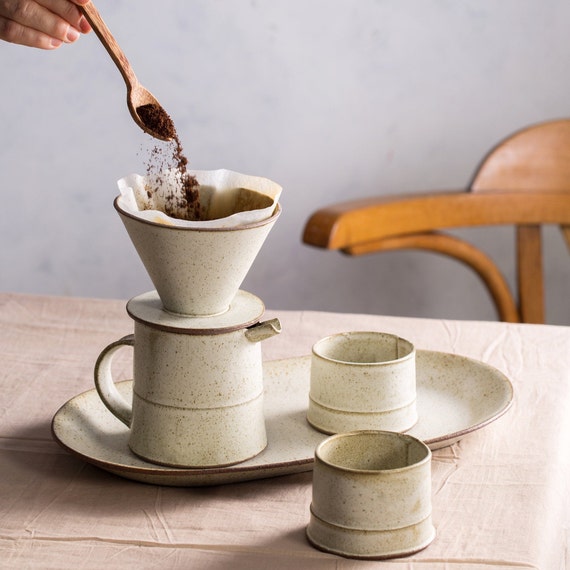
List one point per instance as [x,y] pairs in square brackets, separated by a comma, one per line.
[198,383]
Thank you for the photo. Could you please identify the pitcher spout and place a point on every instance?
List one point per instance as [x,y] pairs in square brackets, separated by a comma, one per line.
[263,330]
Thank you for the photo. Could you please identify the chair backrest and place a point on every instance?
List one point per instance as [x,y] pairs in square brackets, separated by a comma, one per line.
[523,181]
[534,159]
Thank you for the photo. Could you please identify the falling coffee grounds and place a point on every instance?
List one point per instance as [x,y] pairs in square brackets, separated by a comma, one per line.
[186,204]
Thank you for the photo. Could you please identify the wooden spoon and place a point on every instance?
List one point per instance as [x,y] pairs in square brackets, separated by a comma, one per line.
[145,109]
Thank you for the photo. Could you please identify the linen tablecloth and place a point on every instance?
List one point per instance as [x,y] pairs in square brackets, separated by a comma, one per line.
[501,495]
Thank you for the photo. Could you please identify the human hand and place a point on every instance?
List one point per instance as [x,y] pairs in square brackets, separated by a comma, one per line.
[43,24]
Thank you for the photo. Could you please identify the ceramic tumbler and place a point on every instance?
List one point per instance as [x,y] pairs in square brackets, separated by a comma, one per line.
[362,380]
[371,495]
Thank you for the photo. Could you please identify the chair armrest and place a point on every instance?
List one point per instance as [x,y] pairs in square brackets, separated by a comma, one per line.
[342,225]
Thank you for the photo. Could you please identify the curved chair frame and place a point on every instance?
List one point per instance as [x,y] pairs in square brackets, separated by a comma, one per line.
[524,181]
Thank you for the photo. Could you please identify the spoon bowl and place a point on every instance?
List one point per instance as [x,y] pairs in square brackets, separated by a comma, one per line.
[148,113]
[144,107]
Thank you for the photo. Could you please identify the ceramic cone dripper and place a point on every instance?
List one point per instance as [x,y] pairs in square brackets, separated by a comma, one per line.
[197,269]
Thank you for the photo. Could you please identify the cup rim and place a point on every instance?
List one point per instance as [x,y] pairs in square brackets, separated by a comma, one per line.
[347,334]
[127,214]
[357,433]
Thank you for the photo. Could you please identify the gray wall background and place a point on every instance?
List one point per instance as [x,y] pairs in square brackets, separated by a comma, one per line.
[333,99]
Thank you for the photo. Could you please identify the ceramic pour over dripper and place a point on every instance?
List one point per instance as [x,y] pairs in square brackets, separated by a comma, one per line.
[198,267]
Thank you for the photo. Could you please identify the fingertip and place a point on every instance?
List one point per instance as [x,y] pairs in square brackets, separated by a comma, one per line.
[72,35]
[84,26]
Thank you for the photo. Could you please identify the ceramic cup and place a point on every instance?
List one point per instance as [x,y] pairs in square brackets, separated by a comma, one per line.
[198,390]
[196,271]
[362,380]
[371,495]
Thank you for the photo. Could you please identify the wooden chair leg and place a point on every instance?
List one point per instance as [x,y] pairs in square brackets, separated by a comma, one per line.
[566,234]
[530,274]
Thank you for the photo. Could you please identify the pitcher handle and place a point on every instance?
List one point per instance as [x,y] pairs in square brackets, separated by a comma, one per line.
[105,384]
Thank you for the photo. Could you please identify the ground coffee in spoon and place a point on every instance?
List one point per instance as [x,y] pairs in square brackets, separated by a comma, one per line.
[183,204]
[157,120]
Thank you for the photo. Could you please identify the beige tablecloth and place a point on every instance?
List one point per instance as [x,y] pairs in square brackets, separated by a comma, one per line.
[501,495]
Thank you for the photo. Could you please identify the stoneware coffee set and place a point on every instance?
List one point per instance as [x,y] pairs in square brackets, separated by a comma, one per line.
[198,390]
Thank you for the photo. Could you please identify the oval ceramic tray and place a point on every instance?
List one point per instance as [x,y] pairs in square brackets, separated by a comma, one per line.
[455,396]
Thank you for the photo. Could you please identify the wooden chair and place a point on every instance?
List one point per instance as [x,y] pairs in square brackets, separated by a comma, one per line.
[524,181]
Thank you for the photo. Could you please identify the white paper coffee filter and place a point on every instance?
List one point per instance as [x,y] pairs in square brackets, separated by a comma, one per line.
[226,196]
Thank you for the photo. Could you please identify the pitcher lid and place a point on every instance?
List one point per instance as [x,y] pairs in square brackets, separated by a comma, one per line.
[245,310]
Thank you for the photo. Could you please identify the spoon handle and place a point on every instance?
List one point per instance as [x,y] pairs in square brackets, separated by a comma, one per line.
[111,45]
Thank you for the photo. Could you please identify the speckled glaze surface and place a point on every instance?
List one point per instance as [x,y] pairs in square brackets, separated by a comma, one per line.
[198,393]
[196,271]
[362,380]
[371,495]
[455,396]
